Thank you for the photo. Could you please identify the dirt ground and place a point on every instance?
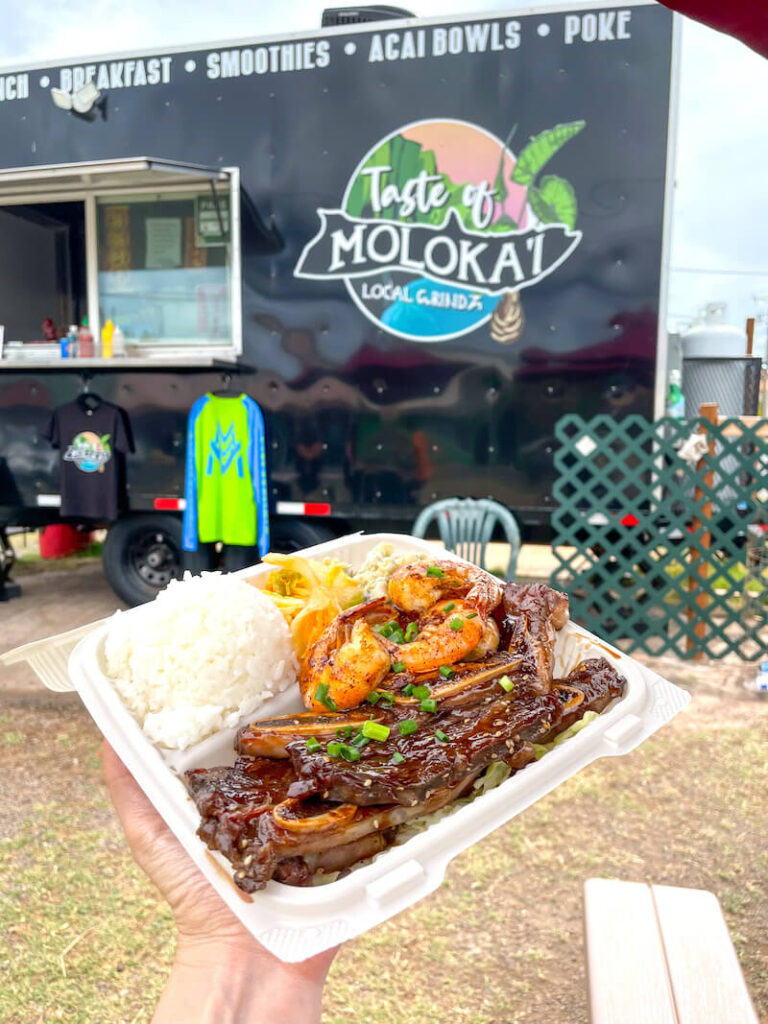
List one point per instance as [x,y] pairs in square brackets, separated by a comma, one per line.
[87,939]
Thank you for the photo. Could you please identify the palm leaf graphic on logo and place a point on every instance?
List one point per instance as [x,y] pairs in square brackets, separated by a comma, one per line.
[552,202]
[105,443]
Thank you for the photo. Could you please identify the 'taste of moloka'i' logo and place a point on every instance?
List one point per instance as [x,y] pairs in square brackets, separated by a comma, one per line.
[441,226]
[89,452]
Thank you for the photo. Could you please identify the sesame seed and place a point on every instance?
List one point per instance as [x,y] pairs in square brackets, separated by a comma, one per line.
[243,843]
[248,859]
[368,782]
[497,734]
[375,822]
[240,874]
[325,795]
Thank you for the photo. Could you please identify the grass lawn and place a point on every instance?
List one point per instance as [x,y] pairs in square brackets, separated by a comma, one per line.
[87,940]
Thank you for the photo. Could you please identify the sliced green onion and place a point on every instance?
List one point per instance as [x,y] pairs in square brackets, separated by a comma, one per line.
[449,607]
[421,692]
[429,705]
[397,757]
[360,741]
[435,571]
[345,732]
[456,624]
[506,683]
[398,666]
[388,698]
[334,749]
[397,636]
[411,632]
[472,615]
[447,672]
[441,735]
[408,690]
[350,753]
[321,696]
[374,731]
[313,744]
[407,727]
[373,697]
[321,693]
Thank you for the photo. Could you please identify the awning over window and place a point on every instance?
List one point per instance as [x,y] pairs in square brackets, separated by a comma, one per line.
[103,176]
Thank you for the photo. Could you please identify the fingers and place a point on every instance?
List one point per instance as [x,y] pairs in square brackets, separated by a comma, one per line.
[127,796]
[148,836]
[160,855]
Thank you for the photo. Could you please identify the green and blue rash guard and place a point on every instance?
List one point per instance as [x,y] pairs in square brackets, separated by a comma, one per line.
[226,475]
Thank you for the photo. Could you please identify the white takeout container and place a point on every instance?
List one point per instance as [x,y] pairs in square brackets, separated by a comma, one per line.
[295,923]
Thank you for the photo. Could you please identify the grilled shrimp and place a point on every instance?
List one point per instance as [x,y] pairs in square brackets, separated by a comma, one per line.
[446,635]
[350,659]
[417,587]
[488,643]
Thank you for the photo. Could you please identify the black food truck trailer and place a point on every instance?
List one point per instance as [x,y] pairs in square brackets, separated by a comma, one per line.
[412,244]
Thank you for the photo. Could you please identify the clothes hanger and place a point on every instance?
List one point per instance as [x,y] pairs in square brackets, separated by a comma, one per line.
[228,390]
[88,400]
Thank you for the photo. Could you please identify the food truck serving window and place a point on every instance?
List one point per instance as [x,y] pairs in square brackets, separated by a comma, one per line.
[161,252]
[165,267]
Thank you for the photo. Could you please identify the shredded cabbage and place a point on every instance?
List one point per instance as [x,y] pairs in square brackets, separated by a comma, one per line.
[544,748]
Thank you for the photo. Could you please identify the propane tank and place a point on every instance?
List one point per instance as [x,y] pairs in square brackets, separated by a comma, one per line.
[711,337]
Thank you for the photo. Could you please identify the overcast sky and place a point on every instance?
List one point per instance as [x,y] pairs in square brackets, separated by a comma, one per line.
[719,247]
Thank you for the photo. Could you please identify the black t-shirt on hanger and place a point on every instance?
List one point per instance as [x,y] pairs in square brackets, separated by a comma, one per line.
[93,437]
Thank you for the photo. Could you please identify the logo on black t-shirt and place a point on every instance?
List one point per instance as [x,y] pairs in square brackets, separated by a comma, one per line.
[89,452]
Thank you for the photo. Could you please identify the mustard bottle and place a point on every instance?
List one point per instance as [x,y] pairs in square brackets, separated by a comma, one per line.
[106,340]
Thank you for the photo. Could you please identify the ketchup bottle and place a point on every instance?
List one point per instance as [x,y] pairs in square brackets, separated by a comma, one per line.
[85,350]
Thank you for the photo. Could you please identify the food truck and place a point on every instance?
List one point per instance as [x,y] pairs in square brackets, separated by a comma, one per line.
[414,244]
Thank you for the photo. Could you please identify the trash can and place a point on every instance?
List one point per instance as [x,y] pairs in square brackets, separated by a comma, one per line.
[731,381]
[716,367]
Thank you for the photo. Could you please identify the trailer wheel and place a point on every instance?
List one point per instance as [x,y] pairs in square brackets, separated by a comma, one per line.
[141,555]
[289,535]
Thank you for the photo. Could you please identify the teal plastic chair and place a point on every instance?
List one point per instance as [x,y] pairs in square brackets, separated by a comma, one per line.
[466,526]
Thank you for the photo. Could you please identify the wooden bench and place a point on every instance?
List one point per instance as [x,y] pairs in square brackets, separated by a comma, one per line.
[660,955]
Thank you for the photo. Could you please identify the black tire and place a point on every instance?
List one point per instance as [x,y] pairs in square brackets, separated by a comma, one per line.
[142,554]
[289,535]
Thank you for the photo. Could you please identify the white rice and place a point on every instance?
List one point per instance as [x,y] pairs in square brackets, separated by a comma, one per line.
[204,654]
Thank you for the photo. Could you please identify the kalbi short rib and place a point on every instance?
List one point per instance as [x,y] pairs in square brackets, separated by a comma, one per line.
[231,800]
[476,736]
[533,613]
[295,812]
[598,681]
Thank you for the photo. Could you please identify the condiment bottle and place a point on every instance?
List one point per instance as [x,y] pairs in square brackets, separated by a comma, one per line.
[72,342]
[107,332]
[118,342]
[86,341]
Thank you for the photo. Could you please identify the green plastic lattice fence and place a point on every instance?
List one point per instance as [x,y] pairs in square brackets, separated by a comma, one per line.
[657,554]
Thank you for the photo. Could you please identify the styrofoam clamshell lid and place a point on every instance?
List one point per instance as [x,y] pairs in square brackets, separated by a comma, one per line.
[295,923]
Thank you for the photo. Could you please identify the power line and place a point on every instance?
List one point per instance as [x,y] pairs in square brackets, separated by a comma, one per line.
[711,270]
